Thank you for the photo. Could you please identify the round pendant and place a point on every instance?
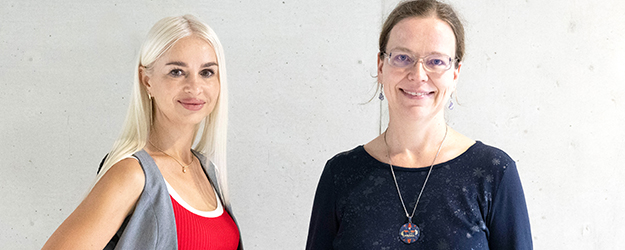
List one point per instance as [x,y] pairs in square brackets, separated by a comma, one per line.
[409,233]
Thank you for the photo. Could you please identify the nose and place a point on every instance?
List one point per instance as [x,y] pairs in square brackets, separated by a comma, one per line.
[418,72]
[193,84]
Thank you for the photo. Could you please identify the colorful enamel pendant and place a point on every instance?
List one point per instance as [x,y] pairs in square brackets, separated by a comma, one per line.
[409,233]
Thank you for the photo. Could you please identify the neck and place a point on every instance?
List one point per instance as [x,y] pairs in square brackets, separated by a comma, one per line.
[414,144]
[416,134]
[174,140]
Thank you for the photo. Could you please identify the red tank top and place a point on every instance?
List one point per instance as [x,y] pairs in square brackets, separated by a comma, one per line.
[204,232]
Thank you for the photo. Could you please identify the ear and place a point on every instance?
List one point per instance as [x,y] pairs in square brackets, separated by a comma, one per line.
[144,78]
[457,72]
[380,64]
[456,75]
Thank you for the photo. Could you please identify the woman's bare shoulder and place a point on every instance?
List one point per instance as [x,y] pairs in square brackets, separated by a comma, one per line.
[127,171]
[92,224]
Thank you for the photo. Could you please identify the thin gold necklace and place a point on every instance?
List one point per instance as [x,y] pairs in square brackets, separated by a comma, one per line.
[184,167]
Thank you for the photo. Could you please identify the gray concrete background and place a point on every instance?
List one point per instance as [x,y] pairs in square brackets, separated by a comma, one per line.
[542,80]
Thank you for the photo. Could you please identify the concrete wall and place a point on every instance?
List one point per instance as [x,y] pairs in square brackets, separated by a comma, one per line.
[541,80]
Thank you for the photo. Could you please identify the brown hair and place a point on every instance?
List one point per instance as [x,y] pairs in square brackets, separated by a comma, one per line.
[424,8]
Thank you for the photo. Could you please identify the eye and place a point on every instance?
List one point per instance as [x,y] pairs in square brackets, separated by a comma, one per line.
[438,62]
[176,73]
[402,60]
[206,73]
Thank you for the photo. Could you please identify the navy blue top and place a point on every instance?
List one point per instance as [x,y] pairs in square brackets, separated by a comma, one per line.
[474,201]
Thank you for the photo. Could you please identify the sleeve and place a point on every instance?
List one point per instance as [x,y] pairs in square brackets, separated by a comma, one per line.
[323,221]
[509,222]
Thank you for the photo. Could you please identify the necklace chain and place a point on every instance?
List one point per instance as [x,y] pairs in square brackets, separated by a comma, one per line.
[426,178]
[184,167]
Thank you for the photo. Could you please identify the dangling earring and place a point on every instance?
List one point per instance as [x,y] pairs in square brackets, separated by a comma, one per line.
[150,107]
[381,96]
[451,102]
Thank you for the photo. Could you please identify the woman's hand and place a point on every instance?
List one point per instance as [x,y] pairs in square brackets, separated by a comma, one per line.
[101,213]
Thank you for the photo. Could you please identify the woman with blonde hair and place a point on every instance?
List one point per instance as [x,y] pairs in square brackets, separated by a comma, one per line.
[163,184]
[420,184]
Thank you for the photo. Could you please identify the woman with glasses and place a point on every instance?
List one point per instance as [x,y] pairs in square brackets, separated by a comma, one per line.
[420,184]
[163,184]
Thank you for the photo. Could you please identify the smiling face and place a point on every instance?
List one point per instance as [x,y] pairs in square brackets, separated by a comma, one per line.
[413,92]
[184,82]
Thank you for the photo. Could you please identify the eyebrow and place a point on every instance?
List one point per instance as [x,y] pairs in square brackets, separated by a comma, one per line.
[182,64]
[410,51]
[402,49]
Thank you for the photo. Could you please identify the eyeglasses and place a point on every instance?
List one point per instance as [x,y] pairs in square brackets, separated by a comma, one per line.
[435,63]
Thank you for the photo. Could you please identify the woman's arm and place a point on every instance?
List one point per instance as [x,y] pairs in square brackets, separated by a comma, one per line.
[509,225]
[323,224]
[101,213]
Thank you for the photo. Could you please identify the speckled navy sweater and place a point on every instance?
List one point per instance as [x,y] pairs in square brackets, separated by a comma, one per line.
[474,201]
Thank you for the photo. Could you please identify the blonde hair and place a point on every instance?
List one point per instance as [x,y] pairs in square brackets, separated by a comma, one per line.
[138,123]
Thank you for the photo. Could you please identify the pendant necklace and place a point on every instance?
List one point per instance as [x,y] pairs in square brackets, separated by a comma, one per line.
[409,232]
[184,167]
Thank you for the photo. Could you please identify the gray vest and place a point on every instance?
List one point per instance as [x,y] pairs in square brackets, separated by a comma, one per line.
[152,224]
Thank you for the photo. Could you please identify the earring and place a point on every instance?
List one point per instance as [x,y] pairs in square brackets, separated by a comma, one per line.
[451,101]
[149,96]
[381,96]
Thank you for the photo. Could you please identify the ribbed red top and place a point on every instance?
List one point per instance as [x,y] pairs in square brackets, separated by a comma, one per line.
[199,232]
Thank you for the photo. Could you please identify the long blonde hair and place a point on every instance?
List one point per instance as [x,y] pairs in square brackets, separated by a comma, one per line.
[134,136]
